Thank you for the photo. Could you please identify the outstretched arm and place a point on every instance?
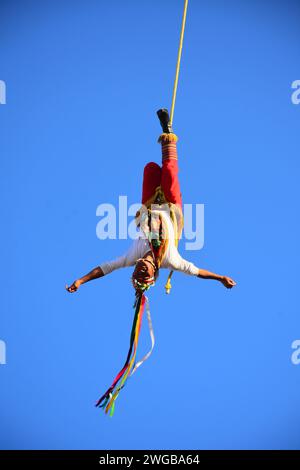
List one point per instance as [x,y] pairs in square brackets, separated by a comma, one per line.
[226,281]
[136,251]
[180,264]
[94,274]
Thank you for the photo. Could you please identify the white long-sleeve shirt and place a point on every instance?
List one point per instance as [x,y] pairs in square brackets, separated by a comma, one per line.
[171,260]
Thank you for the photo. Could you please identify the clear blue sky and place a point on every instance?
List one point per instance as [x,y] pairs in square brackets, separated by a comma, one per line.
[84,80]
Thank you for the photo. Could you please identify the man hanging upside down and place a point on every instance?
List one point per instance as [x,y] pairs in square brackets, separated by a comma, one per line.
[160,222]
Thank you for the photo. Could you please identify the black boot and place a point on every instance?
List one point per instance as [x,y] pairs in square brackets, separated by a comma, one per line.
[164,118]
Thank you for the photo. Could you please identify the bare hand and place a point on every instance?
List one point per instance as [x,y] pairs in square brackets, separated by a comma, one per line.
[74,287]
[228,282]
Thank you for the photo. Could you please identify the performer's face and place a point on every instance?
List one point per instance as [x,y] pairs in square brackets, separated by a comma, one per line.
[144,270]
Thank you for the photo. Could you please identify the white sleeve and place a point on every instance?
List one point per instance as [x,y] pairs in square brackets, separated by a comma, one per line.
[136,251]
[184,266]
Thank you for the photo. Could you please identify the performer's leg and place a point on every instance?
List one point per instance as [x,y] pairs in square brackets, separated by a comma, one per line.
[151,180]
[169,175]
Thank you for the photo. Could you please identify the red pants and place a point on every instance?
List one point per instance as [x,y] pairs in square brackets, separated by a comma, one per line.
[165,176]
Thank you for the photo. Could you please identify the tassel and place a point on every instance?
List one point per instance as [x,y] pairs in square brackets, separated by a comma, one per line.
[168,285]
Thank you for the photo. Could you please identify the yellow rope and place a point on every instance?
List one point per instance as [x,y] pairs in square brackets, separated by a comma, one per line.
[168,283]
[178,61]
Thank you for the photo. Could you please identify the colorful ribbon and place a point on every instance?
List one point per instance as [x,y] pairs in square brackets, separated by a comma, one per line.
[107,401]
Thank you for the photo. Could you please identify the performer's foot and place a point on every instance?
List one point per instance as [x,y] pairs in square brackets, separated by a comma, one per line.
[164,118]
